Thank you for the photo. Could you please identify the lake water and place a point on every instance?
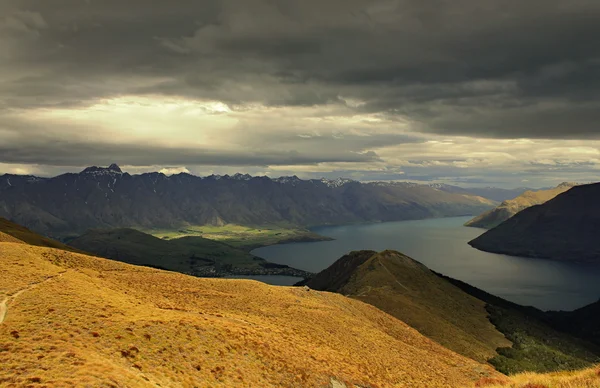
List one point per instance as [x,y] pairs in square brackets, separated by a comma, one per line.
[441,244]
[276,280]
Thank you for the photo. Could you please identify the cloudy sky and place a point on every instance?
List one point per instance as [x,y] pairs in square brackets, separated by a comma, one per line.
[474,92]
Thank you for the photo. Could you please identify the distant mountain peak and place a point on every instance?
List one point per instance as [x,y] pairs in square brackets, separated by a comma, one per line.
[336,182]
[95,170]
[242,177]
[291,180]
[567,184]
[115,167]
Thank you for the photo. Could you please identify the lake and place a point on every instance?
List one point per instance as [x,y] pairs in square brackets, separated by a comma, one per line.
[441,244]
[275,280]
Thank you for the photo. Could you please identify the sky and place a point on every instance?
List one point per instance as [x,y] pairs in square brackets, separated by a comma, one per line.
[469,92]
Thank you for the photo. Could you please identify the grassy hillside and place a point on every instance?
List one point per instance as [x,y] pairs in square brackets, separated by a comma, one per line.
[409,291]
[586,378]
[192,255]
[75,320]
[462,318]
[542,341]
[23,234]
[582,322]
[509,208]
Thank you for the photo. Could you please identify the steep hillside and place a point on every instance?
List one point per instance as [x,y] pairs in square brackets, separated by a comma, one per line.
[405,288]
[509,208]
[564,228]
[97,197]
[466,320]
[191,255]
[21,233]
[583,322]
[338,274]
[75,320]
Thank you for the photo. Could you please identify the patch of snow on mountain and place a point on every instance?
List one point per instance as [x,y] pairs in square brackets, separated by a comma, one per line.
[339,182]
[288,180]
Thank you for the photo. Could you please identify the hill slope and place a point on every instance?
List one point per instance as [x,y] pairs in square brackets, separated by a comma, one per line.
[84,321]
[458,316]
[564,228]
[586,378]
[583,322]
[191,255]
[509,208]
[21,233]
[405,288]
[97,197]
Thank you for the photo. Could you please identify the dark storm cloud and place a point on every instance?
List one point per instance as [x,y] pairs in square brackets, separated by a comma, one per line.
[481,68]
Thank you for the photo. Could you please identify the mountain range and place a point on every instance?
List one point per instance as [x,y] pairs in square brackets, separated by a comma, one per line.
[564,228]
[98,197]
[509,208]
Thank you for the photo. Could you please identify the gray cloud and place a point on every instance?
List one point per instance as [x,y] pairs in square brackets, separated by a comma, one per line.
[69,153]
[285,53]
[484,69]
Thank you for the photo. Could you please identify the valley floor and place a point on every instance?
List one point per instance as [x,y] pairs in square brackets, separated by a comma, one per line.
[244,237]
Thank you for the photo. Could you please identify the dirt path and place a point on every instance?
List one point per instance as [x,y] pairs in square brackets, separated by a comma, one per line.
[4,303]
[3,309]
[392,275]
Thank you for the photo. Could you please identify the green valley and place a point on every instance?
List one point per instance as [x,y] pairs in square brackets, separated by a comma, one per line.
[243,237]
[192,255]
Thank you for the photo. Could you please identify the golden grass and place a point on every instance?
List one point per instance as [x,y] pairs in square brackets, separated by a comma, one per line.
[94,322]
[410,292]
[588,378]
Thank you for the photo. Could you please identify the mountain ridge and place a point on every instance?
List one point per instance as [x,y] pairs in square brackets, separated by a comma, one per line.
[563,228]
[72,203]
[509,208]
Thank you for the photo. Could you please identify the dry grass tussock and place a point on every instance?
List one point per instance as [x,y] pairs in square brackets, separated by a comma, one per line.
[588,378]
[84,321]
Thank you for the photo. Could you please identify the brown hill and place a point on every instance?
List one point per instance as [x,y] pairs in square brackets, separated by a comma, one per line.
[463,318]
[408,290]
[76,320]
[564,228]
[509,208]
